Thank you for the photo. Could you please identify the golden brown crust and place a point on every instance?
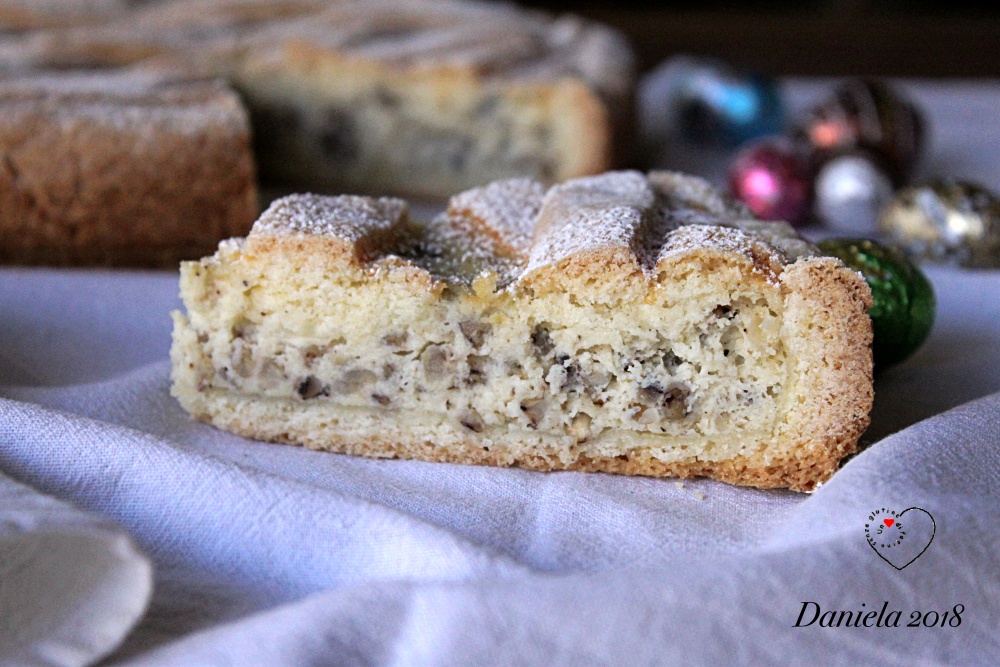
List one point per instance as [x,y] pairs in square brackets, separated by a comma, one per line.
[121,170]
[830,330]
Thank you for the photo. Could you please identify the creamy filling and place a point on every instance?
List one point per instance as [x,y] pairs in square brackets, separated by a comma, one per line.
[403,142]
[711,368]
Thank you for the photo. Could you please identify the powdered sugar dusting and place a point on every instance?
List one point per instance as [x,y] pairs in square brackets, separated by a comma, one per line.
[779,235]
[656,217]
[592,213]
[510,229]
[697,194]
[498,41]
[508,209]
[692,238]
[346,217]
[694,201]
[145,103]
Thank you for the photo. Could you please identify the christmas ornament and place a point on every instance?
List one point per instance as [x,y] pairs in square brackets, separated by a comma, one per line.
[850,191]
[951,221]
[903,302]
[714,104]
[869,115]
[771,177]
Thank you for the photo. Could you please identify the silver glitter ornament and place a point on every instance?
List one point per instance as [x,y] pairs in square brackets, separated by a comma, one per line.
[850,191]
[947,221]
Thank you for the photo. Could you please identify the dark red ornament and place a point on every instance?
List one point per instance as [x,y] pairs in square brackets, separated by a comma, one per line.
[867,115]
[772,177]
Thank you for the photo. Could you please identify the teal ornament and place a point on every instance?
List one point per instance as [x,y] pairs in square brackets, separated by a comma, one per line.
[903,303]
[714,104]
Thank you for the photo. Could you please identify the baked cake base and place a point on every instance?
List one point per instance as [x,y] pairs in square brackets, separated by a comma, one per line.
[663,347]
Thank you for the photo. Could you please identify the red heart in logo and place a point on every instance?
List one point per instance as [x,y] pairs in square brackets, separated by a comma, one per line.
[888,522]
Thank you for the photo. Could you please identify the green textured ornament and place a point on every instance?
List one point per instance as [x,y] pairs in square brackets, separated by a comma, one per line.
[903,305]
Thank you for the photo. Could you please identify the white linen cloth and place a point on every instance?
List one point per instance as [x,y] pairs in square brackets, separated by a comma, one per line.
[59,566]
[274,555]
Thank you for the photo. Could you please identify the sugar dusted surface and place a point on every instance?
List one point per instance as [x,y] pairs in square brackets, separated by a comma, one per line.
[496,40]
[346,217]
[144,103]
[508,208]
[694,201]
[591,213]
[456,250]
[512,228]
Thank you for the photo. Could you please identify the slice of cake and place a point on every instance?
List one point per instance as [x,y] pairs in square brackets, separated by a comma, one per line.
[422,97]
[125,168]
[621,323]
[431,97]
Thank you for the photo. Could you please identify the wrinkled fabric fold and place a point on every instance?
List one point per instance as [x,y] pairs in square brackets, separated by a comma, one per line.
[696,610]
[72,584]
[277,555]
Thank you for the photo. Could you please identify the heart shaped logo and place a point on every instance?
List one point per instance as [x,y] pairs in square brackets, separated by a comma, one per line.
[897,541]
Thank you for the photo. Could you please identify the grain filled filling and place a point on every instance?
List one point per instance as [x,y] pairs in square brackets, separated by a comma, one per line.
[629,323]
[500,363]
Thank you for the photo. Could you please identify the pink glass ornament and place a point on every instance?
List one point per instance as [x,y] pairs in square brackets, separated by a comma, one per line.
[773,179]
